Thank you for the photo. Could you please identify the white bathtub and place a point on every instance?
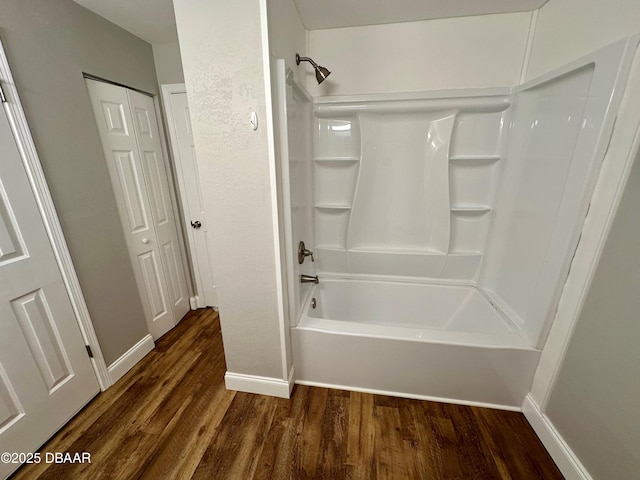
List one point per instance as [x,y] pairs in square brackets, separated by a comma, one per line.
[439,342]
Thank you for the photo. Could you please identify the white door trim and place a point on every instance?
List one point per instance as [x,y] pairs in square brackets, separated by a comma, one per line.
[167,90]
[52,225]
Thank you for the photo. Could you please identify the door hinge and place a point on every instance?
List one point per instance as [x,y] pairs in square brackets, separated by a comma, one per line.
[3,99]
[89,351]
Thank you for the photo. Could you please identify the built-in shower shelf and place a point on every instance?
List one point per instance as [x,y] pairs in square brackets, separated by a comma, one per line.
[395,251]
[470,209]
[337,160]
[333,248]
[332,207]
[475,159]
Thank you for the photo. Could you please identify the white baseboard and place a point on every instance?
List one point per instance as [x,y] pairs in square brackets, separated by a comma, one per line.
[565,459]
[274,387]
[132,356]
[194,302]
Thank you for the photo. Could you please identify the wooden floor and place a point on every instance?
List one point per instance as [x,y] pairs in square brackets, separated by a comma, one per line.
[171,417]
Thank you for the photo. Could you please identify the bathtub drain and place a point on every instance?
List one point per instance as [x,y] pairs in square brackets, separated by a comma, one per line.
[313,303]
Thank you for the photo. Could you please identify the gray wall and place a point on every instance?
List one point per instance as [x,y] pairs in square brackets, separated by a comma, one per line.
[168,63]
[594,404]
[50,43]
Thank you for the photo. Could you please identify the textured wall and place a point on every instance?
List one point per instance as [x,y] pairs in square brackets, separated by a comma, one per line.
[222,55]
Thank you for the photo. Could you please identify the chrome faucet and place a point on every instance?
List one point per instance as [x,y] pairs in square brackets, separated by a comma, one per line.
[309,279]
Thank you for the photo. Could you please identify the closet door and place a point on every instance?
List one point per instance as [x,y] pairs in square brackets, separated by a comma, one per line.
[157,181]
[117,133]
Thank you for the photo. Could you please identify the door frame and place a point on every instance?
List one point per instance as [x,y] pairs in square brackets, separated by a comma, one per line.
[198,300]
[38,182]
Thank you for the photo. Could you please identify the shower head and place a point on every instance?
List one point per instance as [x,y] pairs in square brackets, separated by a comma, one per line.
[321,72]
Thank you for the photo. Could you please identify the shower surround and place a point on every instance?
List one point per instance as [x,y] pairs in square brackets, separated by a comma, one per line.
[443,226]
[406,187]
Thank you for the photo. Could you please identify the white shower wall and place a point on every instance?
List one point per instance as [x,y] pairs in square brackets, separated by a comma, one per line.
[560,129]
[294,125]
[405,186]
[455,187]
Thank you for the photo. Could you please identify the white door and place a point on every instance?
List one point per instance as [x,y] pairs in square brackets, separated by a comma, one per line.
[140,187]
[184,154]
[45,372]
[157,181]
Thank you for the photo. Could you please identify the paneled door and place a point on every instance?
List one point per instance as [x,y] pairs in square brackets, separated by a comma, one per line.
[186,166]
[129,134]
[45,373]
[146,127]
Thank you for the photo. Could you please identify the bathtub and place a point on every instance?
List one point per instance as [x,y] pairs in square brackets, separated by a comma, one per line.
[427,341]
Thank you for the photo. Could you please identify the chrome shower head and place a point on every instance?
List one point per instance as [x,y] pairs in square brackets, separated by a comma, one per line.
[321,72]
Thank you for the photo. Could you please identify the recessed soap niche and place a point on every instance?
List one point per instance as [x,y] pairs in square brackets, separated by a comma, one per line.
[406,187]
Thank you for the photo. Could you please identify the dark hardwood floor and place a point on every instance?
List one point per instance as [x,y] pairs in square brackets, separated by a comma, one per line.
[171,418]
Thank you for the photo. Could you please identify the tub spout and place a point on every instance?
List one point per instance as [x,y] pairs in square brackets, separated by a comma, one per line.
[309,279]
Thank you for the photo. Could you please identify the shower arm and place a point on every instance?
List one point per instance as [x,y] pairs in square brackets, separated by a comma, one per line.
[305,59]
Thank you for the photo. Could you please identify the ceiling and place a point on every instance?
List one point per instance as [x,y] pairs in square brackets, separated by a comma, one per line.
[154,22]
[151,20]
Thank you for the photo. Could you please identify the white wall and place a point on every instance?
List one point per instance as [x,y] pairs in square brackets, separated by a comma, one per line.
[568,29]
[465,52]
[168,63]
[287,35]
[222,52]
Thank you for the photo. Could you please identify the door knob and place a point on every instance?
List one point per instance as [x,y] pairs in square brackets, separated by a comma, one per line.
[196,224]
[145,240]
